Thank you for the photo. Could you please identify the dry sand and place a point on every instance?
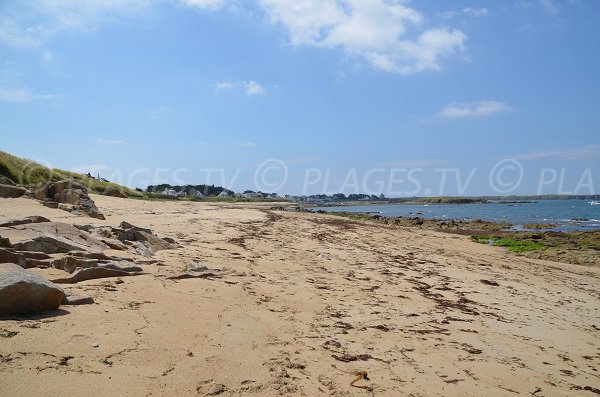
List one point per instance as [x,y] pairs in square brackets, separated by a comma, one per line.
[408,306]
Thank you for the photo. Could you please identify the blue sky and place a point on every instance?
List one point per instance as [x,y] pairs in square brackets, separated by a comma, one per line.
[308,96]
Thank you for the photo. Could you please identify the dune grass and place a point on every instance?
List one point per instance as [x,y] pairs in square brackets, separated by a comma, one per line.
[28,173]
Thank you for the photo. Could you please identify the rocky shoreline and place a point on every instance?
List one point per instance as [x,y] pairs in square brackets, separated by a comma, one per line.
[575,247]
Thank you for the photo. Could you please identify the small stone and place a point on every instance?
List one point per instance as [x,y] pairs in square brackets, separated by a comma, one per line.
[95,344]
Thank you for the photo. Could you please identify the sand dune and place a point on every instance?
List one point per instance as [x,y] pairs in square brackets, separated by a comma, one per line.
[311,299]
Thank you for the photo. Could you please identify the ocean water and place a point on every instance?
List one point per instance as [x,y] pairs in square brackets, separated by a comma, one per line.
[567,214]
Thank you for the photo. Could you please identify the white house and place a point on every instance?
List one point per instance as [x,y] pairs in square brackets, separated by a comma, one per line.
[169,192]
[223,194]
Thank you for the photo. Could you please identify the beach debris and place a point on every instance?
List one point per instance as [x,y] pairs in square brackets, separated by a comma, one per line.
[24,292]
[490,282]
[360,375]
[197,270]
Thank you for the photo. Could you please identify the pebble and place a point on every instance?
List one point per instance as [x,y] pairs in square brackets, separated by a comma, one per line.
[95,344]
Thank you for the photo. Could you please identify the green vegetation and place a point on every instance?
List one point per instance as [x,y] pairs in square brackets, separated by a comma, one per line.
[349,215]
[513,245]
[28,173]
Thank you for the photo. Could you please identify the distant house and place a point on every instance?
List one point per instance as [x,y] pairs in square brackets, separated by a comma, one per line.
[198,194]
[169,192]
[223,194]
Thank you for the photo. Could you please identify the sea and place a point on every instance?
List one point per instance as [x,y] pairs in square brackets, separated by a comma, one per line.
[567,215]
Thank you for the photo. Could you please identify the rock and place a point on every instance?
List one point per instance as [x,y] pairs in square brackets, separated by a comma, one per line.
[9,191]
[74,299]
[24,259]
[95,344]
[50,204]
[51,238]
[9,256]
[4,180]
[197,270]
[24,292]
[24,221]
[103,271]
[47,244]
[68,192]
[70,263]
[114,192]
[143,240]
[5,242]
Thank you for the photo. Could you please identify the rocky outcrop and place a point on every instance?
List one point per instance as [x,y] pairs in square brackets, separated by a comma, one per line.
[68,192]
[24,259]
[51,238]
[197,270]
[9,191]
[24,292]
[144,242]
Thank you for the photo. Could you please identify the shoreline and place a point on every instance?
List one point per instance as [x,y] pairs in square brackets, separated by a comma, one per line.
[576,247]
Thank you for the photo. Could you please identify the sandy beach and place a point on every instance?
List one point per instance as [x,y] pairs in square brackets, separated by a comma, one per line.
[307,300]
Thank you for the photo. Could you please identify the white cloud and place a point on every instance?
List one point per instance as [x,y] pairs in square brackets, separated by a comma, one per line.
[253,88]
[476,12]
[22,95]
[588,152]
[30,24]
[473,109]
[250,87]
[374,30]
[103,141]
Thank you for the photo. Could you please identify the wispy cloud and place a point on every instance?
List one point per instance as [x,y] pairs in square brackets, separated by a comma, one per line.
[375,31]
[251,88]
[245,144]
[473,109]
[23,95]
[588,152]
[475,12]
[103,141]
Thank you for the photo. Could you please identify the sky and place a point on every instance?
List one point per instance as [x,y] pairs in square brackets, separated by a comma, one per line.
[404,98]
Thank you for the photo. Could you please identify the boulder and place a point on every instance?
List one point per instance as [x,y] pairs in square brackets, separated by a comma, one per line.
[24,221]
[143,240]
[4,180]
[24,292]
[9,191]
[48,245]
[68,192]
